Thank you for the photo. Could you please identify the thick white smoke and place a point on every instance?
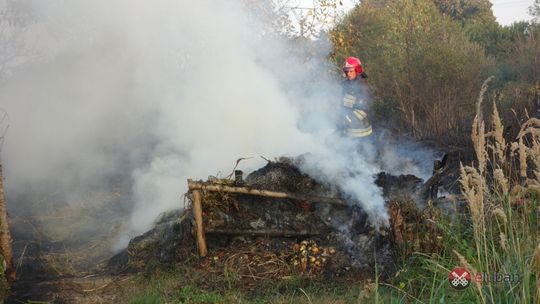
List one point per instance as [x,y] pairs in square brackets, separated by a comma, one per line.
[161,91]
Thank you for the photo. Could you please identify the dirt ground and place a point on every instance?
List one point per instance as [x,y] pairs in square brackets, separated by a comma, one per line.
[63,256]
[61,244]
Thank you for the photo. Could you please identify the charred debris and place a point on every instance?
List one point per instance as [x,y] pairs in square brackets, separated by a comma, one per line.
[279,222]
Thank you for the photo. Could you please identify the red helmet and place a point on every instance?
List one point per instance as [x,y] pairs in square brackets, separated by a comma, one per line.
[353,62]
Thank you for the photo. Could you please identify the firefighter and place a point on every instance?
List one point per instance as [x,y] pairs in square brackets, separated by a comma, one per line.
[354,119]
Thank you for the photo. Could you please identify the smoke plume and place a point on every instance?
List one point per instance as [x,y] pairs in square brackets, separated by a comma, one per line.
[155,92]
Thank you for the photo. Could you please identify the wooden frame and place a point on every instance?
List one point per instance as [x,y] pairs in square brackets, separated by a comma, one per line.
[196,187]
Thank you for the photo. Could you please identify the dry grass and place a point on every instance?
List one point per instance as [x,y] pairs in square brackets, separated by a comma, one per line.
[502,205]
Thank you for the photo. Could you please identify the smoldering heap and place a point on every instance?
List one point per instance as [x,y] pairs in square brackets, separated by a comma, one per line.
[302,236]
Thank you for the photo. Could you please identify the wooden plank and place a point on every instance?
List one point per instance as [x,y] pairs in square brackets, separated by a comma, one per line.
[257,192]
[197,213]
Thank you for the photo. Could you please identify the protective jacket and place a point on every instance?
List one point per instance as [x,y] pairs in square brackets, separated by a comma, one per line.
[354,117]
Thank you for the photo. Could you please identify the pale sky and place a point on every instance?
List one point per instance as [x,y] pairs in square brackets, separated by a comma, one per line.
[510,11]
[506,11]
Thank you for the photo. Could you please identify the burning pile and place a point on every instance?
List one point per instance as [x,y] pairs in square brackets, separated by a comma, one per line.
[280,217]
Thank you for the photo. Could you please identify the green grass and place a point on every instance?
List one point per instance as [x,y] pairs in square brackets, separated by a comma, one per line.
[184,285]
[147,298]
[421,277]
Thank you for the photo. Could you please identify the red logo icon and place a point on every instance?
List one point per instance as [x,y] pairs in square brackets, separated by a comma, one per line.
[459,278]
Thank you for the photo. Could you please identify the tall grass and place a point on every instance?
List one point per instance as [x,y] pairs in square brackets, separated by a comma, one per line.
[504,210]
[500,238]
[500,235]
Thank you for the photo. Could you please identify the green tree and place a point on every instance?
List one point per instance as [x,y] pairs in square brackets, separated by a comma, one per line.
[466,10]
[478,21]
[534,10]
[424,70]
[519,87]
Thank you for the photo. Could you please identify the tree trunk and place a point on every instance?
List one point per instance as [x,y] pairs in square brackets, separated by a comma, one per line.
[5,235]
